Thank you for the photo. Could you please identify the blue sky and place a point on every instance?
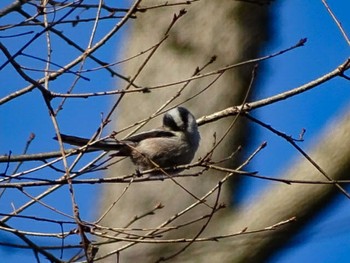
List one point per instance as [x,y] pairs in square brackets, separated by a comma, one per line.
[329,238]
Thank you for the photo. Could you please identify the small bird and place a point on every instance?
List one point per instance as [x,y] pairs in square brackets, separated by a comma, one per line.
[175,143]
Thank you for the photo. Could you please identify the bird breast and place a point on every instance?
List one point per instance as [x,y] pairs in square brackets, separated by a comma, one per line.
[165,152]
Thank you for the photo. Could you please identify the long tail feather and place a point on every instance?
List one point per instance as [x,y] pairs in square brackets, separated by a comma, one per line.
[102,145]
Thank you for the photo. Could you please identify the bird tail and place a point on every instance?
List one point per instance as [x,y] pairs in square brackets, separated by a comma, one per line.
[110,145]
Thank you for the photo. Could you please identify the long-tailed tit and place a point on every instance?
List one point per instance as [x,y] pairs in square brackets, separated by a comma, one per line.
[175,143]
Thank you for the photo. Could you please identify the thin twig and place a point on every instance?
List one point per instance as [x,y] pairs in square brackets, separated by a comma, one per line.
[339,25]
[298,148]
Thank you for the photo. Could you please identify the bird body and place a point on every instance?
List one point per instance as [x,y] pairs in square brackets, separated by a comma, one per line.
[175,143]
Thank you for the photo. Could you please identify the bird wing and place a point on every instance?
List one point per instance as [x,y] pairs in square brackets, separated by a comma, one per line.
[148,134]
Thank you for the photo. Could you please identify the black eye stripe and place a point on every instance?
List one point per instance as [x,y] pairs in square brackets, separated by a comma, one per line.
[184,116]
[177,119]
[170,122]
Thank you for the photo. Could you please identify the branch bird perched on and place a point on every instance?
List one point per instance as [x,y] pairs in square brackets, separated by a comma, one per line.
[175,143]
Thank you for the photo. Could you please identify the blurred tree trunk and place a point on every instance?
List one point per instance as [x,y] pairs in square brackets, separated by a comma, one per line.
[282,201]
[231,30]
